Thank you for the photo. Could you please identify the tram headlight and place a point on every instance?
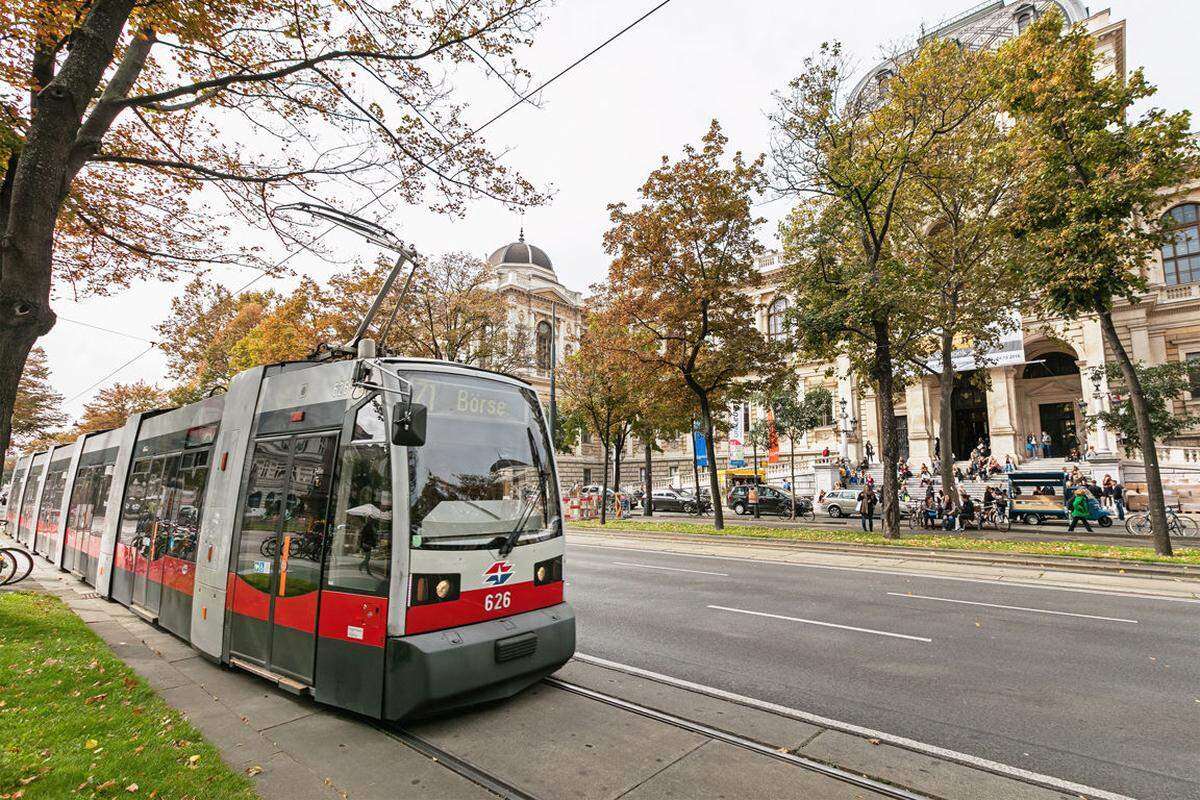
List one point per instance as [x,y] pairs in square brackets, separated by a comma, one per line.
[428,588]
[549,571]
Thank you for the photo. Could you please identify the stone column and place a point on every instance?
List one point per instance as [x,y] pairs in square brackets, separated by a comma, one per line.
[825,473]
[1002,412]
[920,434]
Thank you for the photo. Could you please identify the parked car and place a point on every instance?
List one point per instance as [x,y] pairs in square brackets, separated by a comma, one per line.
[672,500]
[839,503]
[770,501]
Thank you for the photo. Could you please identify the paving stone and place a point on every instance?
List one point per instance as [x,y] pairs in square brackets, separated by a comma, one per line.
[761,726]
[552,743]
[284,778]
[368,764]
[921,772]
[721,771]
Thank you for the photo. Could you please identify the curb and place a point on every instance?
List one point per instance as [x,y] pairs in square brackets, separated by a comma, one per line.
[1066,563]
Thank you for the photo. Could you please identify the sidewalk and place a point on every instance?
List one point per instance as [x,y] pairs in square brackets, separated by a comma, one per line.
[547,742]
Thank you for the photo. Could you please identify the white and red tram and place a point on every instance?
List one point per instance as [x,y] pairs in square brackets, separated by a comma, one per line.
[383,533]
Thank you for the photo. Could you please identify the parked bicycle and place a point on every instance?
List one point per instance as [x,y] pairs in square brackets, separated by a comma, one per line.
[1177,524]
[15,565]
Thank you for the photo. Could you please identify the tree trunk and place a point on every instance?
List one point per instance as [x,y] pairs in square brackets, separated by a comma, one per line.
[792,447]
[711,453]
[617,450]
[648,503]
[35,185]
[890,455]
[1154,488]
[604,489]
[946,416]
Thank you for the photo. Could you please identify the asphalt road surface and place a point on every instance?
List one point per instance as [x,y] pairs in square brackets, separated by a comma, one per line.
[1088,687]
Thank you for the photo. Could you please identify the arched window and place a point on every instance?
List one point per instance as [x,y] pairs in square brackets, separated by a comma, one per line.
[777,318]
[1024,17]
[883,76]
[1181,255]
[543,345]
[1051,365]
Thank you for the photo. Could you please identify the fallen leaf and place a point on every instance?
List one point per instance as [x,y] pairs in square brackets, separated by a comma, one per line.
[29,780]
[873,741]
[131,788]
[91,744]
[108,784]
[256,769]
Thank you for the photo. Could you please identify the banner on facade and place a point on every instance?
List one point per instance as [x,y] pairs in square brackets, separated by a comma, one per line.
[1009,349]
[772,438]
[699,448]
[737,436]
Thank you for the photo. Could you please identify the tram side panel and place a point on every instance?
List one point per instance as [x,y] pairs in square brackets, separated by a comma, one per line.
[47,525]
[220,513]
[15,490]
[58,553]
[33,494]
[89,504]
[127,439]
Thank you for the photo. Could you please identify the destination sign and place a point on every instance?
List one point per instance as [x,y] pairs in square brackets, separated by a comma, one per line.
[469,399]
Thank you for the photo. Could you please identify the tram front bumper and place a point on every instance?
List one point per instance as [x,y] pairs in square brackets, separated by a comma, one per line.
[456,667]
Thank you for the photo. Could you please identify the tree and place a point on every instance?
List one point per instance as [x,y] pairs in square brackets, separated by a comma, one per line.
[851,157]
[206,321]
[123,120]
[665,409]
[1099,178]
[1163,385]
[797,412]
[115,404]
[952,233]
[594,384]
[37,412]
[682,264]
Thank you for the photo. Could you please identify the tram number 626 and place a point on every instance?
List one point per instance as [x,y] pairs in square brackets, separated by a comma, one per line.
[497,602]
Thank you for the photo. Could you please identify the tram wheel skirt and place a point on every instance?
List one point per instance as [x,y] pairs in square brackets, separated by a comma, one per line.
[434,672]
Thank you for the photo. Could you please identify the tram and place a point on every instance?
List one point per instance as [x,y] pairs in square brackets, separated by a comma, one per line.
[383,533]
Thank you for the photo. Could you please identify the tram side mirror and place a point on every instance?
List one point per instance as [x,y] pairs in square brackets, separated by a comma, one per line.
[408,424]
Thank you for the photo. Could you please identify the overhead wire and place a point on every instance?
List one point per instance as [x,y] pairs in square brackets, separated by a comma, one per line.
[474,132]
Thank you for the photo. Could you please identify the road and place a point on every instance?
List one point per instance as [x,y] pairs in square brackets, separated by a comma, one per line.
[1087,687]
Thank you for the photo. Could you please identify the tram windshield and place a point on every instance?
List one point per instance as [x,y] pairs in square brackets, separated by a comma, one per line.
[485,470]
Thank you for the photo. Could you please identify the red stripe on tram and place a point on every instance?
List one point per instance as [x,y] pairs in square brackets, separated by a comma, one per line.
[357,618]
[472,606]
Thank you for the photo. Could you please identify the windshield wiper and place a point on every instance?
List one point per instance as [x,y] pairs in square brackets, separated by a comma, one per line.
[508,542]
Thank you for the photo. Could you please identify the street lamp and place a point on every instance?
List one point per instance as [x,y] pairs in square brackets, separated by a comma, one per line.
[847,424]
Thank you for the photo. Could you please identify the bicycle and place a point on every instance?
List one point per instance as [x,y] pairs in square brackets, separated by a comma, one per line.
[994,517]
[1177,525]
[14,562]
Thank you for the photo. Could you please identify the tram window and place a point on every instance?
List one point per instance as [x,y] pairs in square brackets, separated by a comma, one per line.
[135,502]
[360,549]
[369,423]
[485,468]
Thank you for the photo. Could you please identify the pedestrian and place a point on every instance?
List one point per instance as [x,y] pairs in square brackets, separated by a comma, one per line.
[949,513]
[1079,511]
[1046,442]
[937,445]
[1009,466]
[825,453]
[787,485]
[1107,491]
[1030,446]
[870,451]
[866,508]
[1118,498]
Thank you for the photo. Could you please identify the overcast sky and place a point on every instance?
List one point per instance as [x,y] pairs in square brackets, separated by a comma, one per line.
[604,126]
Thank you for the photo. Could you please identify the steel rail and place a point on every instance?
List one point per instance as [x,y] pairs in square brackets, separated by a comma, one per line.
[861,781]
[476,775]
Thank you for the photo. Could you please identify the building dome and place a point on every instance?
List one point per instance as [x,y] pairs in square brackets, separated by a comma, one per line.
[521,254]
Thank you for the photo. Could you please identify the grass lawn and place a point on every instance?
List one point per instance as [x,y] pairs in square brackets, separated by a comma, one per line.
[930,541]
[76,722]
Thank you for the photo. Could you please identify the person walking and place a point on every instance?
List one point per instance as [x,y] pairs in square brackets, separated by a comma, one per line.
[870,451]
[866,507]
[1079,511]
[1030,447]
[1046,442]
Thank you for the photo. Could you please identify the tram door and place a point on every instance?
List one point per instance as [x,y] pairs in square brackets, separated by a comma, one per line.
[151,543]
[278,571]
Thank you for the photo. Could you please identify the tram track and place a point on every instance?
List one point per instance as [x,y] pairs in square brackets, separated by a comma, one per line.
[504,789]
[812,765]
[480,777]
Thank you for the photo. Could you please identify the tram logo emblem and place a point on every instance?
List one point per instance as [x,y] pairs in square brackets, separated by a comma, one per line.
[498,573]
